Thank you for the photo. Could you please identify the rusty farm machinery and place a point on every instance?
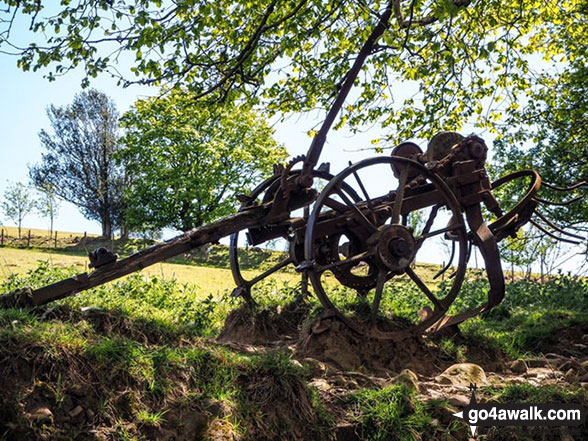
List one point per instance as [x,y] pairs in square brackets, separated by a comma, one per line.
[338,229]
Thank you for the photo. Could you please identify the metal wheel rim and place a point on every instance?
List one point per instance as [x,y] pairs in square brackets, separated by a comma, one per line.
[452,204]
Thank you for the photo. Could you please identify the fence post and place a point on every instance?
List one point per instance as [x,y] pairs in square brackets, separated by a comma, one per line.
[29,239]
[2,237]
[55,238]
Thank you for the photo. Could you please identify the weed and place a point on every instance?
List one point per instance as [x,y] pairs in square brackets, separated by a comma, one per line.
[391,413]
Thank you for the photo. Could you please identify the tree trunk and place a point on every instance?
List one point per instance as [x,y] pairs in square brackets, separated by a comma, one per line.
[124,231]
[106,226]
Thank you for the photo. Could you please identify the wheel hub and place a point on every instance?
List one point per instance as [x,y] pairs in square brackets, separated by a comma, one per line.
[395,247]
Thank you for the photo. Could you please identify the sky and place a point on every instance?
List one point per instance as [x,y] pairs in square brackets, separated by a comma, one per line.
[25,97]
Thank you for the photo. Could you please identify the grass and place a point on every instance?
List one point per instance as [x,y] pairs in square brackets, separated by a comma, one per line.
[390,414]
[206,279]
[144,348]
[13,232]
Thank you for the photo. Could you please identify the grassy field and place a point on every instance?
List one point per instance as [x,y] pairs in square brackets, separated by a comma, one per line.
[147,346]
[137,360]
[209,280]
[13,232]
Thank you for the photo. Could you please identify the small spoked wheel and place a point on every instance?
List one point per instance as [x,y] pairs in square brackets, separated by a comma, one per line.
[519,211]
[369,245]
[245,261]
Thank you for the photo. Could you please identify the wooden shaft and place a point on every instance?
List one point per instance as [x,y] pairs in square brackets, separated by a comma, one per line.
[210,233]
[320,138]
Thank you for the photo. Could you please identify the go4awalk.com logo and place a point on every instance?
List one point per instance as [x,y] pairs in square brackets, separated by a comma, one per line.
[525,414]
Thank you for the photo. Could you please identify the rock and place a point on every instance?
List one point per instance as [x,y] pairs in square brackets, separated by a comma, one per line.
[444,413]
[346,360]
[296,363]
[541,373]
[76,411]
[348,383]
[518,366]
[320,384]
[458,400]
[346,432]
[317,367]
[462,374]
[571,375]
[42,414]
[407,378]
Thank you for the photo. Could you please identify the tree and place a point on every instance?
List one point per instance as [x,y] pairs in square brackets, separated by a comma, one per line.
[17,204]
[292,56]
[549,131]
[48,206]
[189,161]
[528,248]
[79,164]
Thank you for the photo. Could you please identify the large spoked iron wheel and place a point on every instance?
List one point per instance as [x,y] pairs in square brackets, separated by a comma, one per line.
[381,242]
[263,193]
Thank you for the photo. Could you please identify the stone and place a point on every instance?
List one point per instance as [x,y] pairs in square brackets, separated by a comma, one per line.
[407,378]
[518,366]
[76,411]
[458,400]
[346,360]
[346,432]
[541,373]
[317,367]
[571,375]
[320,384]
[296,363]
[462,374]
[42,413]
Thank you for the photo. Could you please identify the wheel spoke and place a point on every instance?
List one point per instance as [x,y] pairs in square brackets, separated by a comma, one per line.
[336,205]
[365,194]
[422,237]
[398,199]
[431,219]
[364,220]
[382,277]
[355,259]
[424,288]
[270,271]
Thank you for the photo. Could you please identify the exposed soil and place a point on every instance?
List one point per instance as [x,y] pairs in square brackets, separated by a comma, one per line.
[61,395]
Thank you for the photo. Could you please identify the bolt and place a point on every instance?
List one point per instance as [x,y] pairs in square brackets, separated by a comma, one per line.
[399,247]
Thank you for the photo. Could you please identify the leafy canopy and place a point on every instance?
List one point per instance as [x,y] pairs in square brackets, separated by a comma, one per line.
[189,161]
[549,131]
[292,55]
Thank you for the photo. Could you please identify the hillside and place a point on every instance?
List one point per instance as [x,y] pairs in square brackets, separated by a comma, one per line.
[146,358]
